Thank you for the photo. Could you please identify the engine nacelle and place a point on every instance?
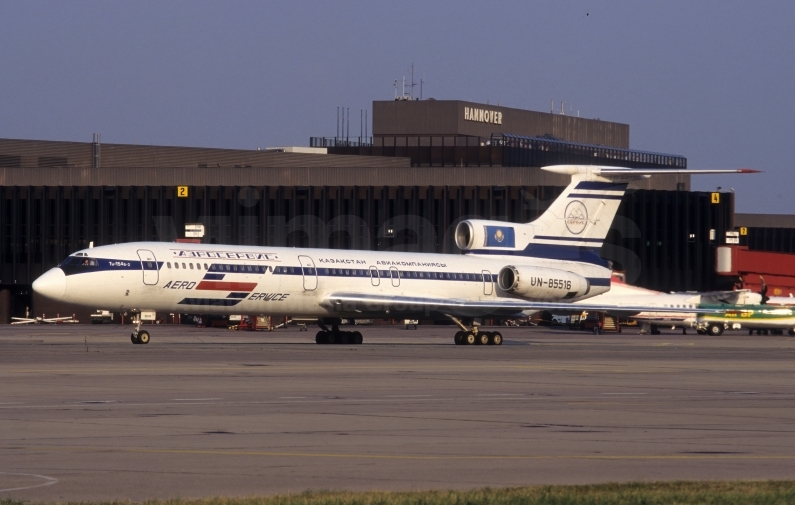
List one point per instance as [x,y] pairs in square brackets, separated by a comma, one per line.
[468,236]
[538,283]
[479,234]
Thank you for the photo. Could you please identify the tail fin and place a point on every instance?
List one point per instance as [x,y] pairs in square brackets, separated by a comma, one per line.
[583,213]
[574,227]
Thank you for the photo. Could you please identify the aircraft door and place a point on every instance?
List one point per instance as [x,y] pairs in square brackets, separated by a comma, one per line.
[310,273]
[393,272]
[374,278]
[488,283]
[149,267]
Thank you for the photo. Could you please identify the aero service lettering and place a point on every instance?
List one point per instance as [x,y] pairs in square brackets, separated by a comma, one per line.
[268,297]
[179,285]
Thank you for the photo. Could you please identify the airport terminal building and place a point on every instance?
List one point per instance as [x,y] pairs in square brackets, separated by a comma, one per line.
[428,165]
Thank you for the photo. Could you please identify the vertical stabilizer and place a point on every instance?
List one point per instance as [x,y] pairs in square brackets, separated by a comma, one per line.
[582,214]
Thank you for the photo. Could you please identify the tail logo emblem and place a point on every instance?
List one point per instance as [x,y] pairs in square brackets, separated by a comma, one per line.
[499,236]
[576,217]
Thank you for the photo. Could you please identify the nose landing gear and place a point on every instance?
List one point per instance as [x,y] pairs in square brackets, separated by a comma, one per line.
[138,335]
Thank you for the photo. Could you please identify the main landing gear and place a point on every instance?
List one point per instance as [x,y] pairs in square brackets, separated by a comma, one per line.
[139,336]
[335,336]
[474,336]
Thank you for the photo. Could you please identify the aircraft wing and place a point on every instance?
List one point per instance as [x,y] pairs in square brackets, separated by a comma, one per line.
[366,303]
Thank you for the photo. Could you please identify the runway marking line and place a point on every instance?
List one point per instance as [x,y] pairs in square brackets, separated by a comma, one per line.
[48,481]
[329,455]
[332,368]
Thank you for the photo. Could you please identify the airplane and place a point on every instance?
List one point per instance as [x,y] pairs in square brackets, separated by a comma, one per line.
[752,311]
[506,268]
[622,294]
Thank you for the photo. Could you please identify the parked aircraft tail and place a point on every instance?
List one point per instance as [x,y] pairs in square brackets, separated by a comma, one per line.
[575,226]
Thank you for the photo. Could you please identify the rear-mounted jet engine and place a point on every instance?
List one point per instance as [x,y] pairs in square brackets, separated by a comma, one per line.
[539,283]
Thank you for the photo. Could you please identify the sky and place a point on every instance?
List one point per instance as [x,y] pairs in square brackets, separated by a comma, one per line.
[710,80]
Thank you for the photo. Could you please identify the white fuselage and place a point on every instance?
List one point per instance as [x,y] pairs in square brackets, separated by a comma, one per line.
[626,295]
[221,279]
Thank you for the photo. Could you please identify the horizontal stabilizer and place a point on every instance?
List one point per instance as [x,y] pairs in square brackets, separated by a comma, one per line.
[592,172]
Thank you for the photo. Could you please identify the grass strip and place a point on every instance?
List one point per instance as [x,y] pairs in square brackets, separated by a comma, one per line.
[654,493]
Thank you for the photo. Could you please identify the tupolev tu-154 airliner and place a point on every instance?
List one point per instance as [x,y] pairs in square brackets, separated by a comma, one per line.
[506,268]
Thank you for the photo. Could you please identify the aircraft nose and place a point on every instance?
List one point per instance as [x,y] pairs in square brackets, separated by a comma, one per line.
[51,284]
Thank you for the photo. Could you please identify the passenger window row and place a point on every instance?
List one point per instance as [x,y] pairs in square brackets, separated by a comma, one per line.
[255,269]
[186,266]
[403,274]
[335,272]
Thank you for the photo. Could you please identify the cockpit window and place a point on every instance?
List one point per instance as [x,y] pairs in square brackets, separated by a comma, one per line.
[75,261]
[78,264]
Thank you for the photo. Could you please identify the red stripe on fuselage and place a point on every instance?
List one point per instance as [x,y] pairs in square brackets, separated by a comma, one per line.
[226,286]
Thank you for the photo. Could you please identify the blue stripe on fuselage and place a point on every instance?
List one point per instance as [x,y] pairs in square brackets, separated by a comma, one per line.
[106,265]
[212,302]
[554,252]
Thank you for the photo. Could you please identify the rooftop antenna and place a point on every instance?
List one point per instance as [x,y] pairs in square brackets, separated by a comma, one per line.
[412,80]
[396,89]
[421,83]
[338,122]
[95,145]
[361,125]
[349,124]
[365,123]
[551,106]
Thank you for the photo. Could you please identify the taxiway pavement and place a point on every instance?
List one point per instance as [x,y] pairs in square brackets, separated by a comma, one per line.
[84,414]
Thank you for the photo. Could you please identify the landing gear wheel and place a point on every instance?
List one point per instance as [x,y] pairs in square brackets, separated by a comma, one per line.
[495,338]
[791,331]
[134,339]
[331,338]
[459,337]
[357,338]
[715,330]
[321,338]
[483,338]
[143,337]
[469,338]
[345,337]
